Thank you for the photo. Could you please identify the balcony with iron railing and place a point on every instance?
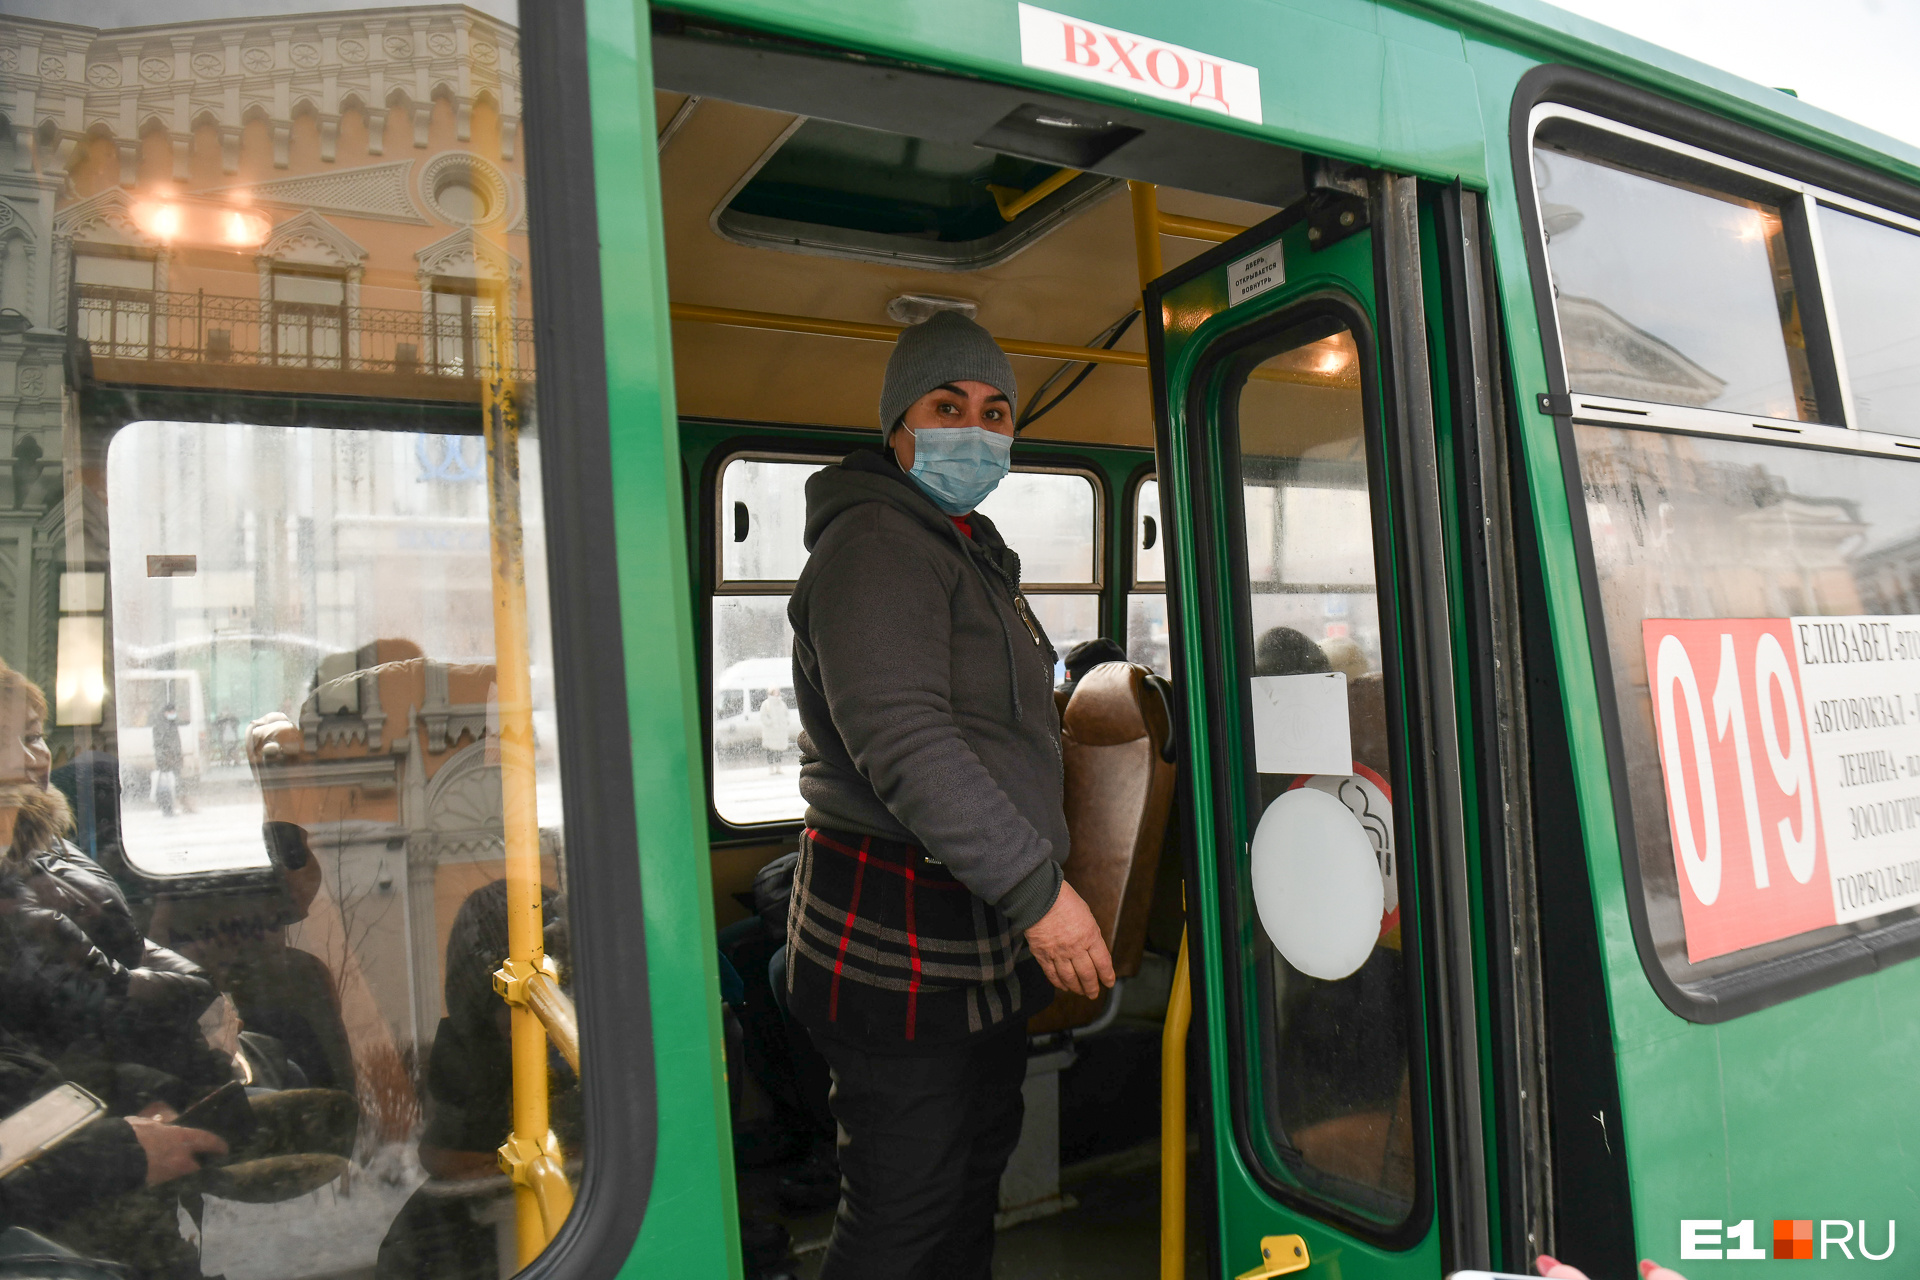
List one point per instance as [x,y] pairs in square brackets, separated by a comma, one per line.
[152,337]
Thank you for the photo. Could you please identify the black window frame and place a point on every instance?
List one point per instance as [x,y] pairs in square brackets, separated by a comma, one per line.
[1741,150]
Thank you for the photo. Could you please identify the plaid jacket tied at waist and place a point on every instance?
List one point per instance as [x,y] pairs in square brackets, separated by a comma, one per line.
[887,950]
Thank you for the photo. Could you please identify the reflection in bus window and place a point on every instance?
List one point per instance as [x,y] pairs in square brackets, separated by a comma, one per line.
[1332,1052]
[1873,271]
[1672,293]
[275,756]
[272,585]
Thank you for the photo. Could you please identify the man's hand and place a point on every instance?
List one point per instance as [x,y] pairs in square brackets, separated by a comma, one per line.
[1068,945]
[172,1151]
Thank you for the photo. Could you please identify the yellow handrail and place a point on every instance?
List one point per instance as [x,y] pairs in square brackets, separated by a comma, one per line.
[1013,202]
[1184,228]
[889,332]
[531,1155]
[556,1014]
[1173,1122]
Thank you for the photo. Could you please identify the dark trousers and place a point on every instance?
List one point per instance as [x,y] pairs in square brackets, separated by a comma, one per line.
[923,1142]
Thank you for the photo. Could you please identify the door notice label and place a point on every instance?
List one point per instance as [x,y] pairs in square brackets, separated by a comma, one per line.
[1255,274]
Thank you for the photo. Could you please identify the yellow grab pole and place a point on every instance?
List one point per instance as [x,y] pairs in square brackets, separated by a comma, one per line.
[1173,1122]
[531,1156]
[1173,1032]
[1146,231]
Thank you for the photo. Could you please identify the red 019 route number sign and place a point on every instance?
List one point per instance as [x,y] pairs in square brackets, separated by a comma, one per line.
[1790,750]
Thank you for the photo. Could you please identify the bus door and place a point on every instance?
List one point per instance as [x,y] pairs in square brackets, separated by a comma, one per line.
[1328,944]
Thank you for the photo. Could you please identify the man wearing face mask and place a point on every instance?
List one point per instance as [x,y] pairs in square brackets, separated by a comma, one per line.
[929,917]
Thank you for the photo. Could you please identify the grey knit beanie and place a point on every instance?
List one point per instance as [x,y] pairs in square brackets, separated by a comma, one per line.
[945,347]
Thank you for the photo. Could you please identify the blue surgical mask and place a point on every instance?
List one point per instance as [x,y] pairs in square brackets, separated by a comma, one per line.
[959,466]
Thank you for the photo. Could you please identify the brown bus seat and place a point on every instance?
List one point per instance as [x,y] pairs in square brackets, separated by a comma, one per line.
[1114,741]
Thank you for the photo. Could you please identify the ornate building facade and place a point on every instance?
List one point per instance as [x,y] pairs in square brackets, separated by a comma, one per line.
[327,197]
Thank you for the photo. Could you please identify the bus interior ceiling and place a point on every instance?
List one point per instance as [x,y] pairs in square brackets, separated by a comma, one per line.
[1058,264]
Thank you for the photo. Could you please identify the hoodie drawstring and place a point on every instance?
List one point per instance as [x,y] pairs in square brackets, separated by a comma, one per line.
[1006,632]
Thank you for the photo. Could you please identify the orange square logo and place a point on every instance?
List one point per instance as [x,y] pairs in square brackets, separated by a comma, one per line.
[1792,1238]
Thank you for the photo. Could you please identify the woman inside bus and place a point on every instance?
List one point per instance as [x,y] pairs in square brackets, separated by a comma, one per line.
[84,985]
[929,912]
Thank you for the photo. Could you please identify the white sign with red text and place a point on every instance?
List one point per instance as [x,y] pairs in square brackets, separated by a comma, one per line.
[1088,51]
[1790,750]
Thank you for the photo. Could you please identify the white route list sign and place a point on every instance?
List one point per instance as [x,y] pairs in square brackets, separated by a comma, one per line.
[1860,678]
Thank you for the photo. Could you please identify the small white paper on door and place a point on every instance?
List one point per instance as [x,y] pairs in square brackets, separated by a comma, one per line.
[1300,724]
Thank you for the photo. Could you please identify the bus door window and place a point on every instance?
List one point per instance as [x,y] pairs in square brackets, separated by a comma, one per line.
[1332,1085]
[1146,639]
[1051,518]
[761,516]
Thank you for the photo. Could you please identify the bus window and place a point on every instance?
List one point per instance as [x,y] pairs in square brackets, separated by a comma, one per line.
[1671,292]
[761,510]
[1872,270]
[1052,519]
[1333,1063]
[278,722]
[1763,540]
[1147,597]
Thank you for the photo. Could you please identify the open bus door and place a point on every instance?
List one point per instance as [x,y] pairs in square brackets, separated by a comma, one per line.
[1329,929]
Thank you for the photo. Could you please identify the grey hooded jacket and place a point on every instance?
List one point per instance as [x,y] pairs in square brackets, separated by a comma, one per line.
[925,688]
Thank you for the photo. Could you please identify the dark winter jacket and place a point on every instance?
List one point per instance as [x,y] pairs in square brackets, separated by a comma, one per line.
[930,756]
[63,921]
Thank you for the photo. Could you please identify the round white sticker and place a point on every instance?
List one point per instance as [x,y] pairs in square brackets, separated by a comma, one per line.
[1316,884]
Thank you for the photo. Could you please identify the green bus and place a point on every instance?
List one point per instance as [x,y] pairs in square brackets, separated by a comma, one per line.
[408,411]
